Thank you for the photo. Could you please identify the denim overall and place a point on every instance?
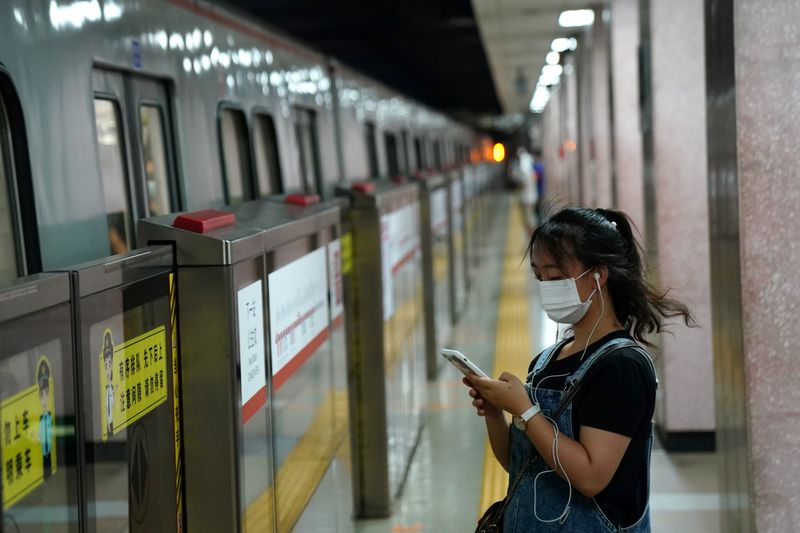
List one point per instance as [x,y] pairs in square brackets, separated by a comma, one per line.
[552,492]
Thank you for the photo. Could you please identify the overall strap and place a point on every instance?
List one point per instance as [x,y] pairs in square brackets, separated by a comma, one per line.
[546,357]
[607,347]
[575,381]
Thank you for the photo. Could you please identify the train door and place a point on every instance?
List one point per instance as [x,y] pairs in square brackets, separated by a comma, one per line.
[308,149]
[19,238]
[11,262]
[135,150]
[372,149]
[391,153]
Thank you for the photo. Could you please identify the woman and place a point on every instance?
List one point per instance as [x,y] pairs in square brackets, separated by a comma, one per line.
[580,461]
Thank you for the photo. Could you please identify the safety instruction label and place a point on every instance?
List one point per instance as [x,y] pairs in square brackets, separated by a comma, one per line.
[386,267]
[347,253]
[298,313]
[133,379]
[439,212]
[28,439]
[335,279]
[252,364]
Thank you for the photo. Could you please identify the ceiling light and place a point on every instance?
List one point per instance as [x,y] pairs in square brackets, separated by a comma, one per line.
[576,18]
[562,44]
[552,58]
[540,98]
[551,75]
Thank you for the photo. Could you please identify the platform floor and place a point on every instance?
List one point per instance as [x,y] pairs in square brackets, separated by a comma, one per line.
[445,483]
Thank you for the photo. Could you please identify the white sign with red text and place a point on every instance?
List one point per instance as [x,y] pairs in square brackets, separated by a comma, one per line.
[298,313]
[335,280]
[439,212]
[386,266]
[252,363]
[404,234]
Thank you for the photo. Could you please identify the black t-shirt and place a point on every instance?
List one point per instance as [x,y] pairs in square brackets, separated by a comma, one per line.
[618,395]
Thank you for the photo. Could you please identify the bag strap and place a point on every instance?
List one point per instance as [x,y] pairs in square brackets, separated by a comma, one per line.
[520,475]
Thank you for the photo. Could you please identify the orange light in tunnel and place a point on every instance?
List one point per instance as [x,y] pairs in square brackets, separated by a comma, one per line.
[499,152]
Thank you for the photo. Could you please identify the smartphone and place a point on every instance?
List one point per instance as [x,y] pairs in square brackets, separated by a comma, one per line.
[461,362]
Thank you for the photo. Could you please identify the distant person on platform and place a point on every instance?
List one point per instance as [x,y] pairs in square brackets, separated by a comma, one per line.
[526,177]
[538,167]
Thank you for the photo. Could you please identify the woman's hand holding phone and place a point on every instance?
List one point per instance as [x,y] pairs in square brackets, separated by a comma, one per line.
[481,405]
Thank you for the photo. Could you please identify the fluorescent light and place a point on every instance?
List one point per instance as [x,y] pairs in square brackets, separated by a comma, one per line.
[576,18]
[550,74]
[552,70]
[562,44]
[552,58]
[540,98]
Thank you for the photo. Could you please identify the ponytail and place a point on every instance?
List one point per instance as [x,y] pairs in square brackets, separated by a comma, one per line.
[604,237]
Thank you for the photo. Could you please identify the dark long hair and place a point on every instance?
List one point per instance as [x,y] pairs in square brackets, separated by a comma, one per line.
[604,237]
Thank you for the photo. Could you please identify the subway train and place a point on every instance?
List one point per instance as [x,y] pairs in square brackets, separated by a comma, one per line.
[116,115]
[114,111]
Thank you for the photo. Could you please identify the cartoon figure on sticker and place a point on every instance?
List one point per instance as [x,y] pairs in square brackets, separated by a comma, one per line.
[108,365]
[46,419]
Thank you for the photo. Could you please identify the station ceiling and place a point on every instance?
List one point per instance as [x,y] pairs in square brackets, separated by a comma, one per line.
[517,35]
[429,49]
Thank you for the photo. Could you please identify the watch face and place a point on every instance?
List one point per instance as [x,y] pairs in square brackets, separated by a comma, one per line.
[519,423]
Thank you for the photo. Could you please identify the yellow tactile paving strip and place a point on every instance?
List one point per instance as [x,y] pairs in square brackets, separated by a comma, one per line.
[303,468]
[512,344]
[399,331]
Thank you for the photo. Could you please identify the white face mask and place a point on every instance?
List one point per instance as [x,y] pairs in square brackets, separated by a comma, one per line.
[561,301]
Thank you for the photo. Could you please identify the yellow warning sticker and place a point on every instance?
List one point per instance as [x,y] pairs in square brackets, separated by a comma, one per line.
[29,442]
[347,252]
[133,379]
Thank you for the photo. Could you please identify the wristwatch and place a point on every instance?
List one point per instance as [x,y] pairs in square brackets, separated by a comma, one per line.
[521,421]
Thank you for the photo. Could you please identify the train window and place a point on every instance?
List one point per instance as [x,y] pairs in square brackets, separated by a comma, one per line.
[391,153]
[404,152]
[372,149]
[235,155]
[154,159]
[268,169]
[113,173]
[306,130]
[418,153]
[437,155]
[8,242]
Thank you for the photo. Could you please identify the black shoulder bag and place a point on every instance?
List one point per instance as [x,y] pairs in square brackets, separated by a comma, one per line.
[492,519]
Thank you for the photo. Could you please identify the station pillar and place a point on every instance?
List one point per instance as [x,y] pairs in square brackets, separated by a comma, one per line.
[678,243]
[753,72]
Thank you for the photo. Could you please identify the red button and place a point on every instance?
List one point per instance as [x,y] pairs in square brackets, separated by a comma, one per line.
[364,187]
[204,221]
[302,199]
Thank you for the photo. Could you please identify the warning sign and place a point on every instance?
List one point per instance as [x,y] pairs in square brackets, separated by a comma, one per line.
[28,439]
[133,379]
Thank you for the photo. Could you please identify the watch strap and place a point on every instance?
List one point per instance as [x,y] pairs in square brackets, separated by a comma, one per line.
[530,413]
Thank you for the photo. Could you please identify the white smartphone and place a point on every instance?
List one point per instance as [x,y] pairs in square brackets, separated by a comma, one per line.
[461,362]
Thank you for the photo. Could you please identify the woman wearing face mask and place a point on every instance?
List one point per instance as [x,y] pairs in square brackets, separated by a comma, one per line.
[579,460]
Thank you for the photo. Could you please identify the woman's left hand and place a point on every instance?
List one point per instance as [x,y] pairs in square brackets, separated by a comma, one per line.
[507,392]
